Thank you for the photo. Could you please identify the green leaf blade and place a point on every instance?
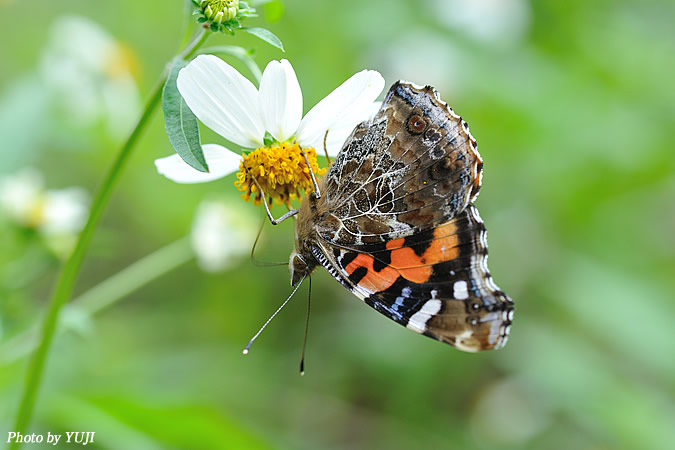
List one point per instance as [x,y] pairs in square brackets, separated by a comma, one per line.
[266,35]
[181,123]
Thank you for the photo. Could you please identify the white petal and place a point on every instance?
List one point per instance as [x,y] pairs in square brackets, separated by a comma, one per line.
[280,100]
[342,129]
[223,100]
[220,160]
[348,99]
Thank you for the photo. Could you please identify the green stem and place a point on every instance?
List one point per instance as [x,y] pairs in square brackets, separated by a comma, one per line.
[107,292]
[71,268]
[134,276]
[192,49]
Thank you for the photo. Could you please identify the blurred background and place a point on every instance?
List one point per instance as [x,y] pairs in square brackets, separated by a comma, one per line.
[572,104]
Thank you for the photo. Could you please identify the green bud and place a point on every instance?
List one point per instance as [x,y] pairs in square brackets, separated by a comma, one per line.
[219,11]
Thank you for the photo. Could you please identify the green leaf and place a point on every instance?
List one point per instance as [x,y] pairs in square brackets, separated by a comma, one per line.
[266,35]
[181,123]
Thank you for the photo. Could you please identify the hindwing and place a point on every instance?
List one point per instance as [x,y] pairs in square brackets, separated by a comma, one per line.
[435,282]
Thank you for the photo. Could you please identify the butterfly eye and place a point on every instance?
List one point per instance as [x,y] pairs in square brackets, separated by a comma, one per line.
[416,124]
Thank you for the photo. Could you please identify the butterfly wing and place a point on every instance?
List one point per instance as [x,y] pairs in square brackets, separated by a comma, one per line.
[412,167]
[399,229]
[435,282]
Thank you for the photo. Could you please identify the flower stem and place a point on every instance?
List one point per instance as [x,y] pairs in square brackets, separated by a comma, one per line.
[106,293]
[71,268]
[134,276]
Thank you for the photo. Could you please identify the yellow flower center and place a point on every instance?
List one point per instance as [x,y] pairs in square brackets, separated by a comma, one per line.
[280,170]
[121,61]
[35,212]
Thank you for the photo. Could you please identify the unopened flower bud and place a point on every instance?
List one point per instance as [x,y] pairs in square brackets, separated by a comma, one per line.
[219,11]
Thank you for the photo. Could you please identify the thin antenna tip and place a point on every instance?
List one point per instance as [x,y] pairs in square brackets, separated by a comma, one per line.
[245,351]
[302,373]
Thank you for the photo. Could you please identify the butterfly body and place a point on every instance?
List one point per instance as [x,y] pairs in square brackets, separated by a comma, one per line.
[396,225]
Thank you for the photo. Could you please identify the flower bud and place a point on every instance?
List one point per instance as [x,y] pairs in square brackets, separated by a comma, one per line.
[219,11]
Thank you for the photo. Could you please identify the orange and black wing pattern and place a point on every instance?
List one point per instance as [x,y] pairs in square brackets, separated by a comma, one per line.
[435,283]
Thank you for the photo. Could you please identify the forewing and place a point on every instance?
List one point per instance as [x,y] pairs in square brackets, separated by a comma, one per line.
[434,282]
[413,167]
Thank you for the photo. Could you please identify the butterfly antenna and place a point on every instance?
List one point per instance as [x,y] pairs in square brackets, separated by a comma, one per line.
[304,341]
[255,243]
[248,346]
[311,174]
[325,147]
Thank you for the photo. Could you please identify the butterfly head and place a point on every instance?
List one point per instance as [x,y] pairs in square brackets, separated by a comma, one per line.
[298,268]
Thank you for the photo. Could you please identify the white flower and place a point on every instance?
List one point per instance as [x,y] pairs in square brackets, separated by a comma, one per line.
[20,194]
[58,214]
[228,103]
[220,235]
[90,75]
[65,211]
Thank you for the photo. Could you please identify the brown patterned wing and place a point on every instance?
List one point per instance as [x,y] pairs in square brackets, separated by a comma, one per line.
[413,166]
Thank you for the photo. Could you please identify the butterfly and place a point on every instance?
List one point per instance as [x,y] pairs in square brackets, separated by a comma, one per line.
[393,221]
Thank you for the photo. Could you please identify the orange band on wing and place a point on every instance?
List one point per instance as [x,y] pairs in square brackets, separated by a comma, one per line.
[410,265]
[405,262]
[444,246]
[373,281]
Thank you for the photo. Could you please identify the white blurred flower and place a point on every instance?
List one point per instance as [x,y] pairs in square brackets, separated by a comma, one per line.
[65,211]
[228,103]
[21,197]
[91,75]
[499,22]
[220,235]
[58,214]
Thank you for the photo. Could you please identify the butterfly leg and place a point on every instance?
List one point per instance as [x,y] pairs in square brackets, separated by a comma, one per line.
[311,174]
[274,221]
[255,260]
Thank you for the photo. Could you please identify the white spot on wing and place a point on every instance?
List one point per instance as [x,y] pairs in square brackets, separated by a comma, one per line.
[405,293]
[410,83]
[418,321]
[460,290]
